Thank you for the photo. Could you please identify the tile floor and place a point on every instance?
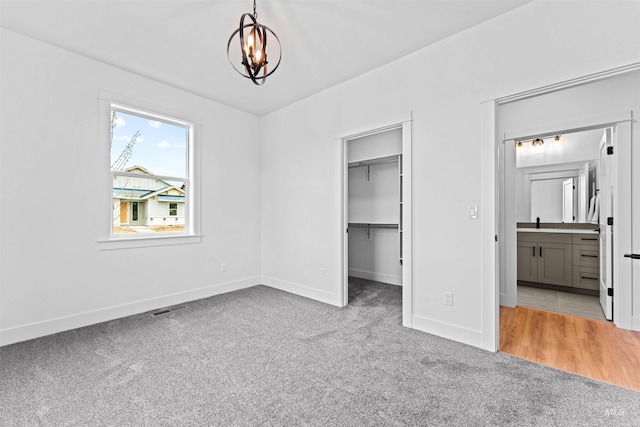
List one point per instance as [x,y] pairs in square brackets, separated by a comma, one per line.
[561,302]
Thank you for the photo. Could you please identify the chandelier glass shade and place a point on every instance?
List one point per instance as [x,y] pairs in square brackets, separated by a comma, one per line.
[254,54]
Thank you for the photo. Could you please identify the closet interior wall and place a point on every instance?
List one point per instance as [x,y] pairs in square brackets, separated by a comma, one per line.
[375,206]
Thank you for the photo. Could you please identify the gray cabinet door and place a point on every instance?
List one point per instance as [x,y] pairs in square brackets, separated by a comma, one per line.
[527,262]
[555,264]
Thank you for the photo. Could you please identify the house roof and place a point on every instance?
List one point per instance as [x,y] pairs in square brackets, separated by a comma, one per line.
[163,198]
[130,193]
[142,194]
[137,167]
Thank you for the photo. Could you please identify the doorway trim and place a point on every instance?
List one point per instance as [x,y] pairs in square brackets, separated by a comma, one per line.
[490,141]
[406,217]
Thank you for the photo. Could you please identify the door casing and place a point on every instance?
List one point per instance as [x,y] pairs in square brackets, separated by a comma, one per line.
[493,262]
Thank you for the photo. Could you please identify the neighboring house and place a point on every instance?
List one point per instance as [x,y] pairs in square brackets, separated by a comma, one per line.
[146,201]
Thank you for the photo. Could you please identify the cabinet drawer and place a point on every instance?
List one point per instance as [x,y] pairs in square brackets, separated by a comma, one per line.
[586,278]
[586,239]
[587,256]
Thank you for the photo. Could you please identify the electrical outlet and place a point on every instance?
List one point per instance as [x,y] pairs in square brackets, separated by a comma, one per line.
[223,267]
[322,273]
[448,298]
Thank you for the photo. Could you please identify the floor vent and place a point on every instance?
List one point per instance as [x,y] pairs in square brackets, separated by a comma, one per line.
[167,310]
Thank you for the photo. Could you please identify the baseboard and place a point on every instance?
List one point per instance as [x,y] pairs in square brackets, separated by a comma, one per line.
[457,333]
[302,290]
[378,277]
[635,323]
[65,323]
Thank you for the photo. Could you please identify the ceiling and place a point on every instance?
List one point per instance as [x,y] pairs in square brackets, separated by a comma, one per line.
[183,42]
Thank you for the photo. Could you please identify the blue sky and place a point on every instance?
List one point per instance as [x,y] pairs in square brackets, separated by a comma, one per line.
[161,147]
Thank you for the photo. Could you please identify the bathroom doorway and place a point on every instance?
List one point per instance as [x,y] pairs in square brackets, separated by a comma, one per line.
[604,103]
[563,198]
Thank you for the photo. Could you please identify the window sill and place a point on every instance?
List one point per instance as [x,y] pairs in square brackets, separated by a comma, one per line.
[148,241]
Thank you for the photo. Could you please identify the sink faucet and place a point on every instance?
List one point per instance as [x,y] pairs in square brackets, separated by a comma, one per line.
[538,222]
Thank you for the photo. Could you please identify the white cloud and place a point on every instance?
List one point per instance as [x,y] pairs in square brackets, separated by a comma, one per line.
[154,123]
[164,144]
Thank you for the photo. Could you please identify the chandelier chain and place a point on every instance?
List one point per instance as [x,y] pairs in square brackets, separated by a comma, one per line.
[255,14]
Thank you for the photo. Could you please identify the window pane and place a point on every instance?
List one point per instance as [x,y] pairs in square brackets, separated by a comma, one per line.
[143,145]
[147,205]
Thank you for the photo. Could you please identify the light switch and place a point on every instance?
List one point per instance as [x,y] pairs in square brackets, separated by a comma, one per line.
[473,212]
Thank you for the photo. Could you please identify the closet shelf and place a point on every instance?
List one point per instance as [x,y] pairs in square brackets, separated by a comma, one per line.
[374,161]
[373,225]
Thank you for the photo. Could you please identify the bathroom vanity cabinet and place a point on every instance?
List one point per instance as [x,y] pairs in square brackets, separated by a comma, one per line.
[560,257]
[545,258]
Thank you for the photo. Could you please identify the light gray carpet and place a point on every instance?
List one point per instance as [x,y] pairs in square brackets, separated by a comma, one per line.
[262,357]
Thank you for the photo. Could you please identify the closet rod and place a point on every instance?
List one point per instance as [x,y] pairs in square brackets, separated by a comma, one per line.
[370,225]
[361,164]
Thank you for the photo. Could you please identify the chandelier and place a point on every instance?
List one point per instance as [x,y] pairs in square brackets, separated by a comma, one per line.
[253,38]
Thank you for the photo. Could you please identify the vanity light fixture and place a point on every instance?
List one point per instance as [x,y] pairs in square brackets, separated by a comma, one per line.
[519,144]
[557,138]
[537,142]
[253,48]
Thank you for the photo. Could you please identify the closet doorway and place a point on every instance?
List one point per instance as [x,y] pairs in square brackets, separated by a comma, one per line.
[376,217]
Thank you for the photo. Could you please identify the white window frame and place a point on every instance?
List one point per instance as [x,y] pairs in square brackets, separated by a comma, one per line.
[107,240]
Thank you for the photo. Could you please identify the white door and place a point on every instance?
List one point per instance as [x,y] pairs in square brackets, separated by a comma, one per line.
[604,211]
[568,187]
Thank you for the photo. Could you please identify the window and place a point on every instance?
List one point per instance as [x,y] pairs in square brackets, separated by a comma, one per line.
[150,176]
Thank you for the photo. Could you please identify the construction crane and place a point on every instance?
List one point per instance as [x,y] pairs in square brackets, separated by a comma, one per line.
[124,157]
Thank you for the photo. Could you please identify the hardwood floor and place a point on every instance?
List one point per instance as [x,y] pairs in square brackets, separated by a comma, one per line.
[586,347]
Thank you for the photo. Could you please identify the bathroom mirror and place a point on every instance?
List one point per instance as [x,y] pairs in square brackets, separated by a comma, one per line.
[556,180]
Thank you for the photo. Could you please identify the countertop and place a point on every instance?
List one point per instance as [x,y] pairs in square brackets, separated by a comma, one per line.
[556,230]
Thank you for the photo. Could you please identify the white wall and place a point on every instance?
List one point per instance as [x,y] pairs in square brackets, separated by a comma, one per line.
[546,200]
[52,276]
[442,86]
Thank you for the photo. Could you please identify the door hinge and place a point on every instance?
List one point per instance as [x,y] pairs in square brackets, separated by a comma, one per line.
[610,292]
[496,237]
[610,220]
[609,150]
